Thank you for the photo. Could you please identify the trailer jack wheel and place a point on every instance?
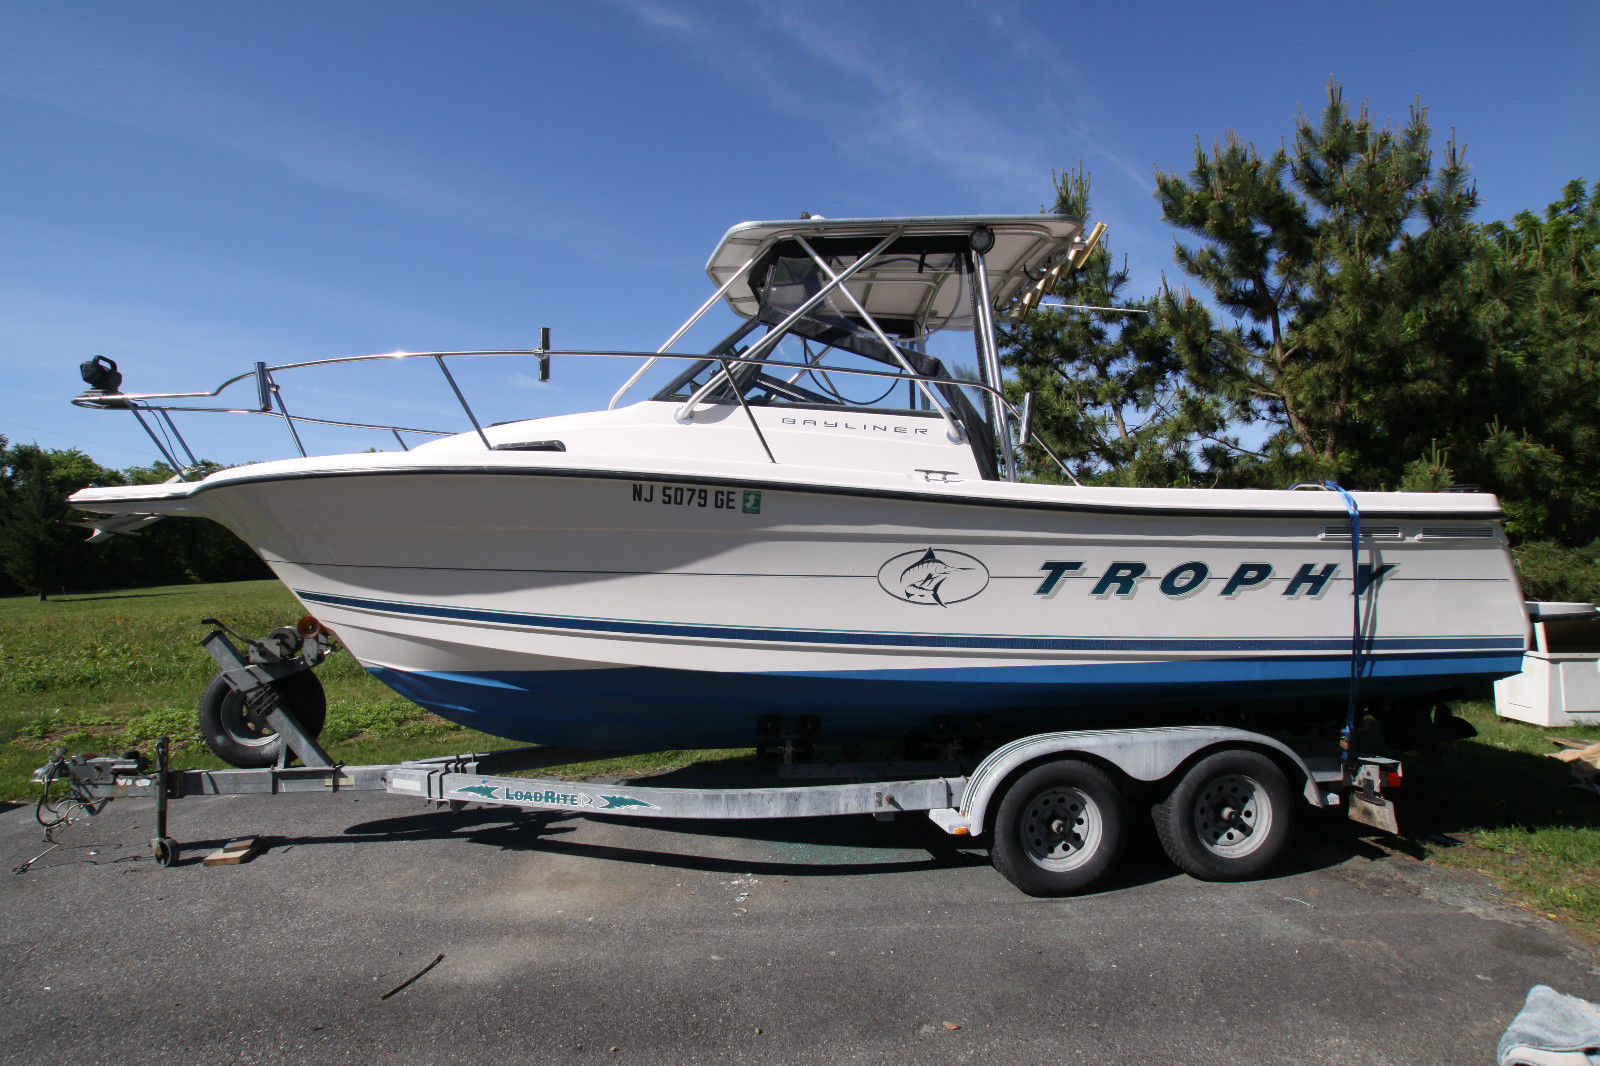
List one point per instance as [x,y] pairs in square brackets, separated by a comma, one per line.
[165,851]
[239,737]
[1231,817]
[1059,829]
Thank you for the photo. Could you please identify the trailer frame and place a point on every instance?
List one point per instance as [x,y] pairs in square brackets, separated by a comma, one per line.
[962,804]
[1063,836]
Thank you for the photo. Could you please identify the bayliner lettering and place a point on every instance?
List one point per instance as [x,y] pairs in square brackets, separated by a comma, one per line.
[1123,579]
[860,427]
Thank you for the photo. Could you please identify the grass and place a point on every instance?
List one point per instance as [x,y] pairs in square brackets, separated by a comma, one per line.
[105,672]
[1515,815]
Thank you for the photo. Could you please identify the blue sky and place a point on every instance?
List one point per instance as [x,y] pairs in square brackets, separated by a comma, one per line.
[190,188]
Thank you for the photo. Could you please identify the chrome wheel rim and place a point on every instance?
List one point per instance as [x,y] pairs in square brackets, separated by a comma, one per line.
[1061,829]
[1232,816]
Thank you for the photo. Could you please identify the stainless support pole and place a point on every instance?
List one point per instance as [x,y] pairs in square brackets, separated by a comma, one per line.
[991,367]
[954,431]
[172,460]
[676,337]
[463,400]
[288,420]
[760,347]
[749,414]
[166,416]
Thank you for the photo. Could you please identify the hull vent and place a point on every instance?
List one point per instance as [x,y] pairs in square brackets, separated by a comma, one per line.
[1458,532]
[1342,532]
[532,446]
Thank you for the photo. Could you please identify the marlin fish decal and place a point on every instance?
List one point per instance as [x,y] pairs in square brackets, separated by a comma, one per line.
[935,577]
[923,578]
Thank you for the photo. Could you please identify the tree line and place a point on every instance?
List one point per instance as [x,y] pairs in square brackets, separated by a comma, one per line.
[1341,317]
[42,552]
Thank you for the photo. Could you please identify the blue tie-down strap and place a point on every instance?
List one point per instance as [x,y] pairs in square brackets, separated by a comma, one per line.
[1355,614]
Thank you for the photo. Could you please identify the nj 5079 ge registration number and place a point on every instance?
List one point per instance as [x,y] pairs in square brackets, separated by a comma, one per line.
[686,496]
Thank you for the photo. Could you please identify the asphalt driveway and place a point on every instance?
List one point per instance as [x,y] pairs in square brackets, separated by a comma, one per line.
[844,940]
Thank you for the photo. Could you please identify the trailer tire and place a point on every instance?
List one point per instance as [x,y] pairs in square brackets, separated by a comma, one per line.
[229,733]
[1060,829]
[1229,818]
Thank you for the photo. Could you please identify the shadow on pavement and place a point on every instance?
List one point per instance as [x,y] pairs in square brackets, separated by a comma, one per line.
[822,847]
[542,832]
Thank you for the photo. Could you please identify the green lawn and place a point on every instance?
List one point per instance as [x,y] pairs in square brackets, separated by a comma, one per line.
[1514,812]
[105,672]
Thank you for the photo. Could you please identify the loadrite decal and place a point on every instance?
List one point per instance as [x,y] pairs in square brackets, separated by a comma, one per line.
[549,797]
[1189,579]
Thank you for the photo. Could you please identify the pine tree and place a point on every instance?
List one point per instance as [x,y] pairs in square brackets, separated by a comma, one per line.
[1541,450]
[1111,396]
[1341,264]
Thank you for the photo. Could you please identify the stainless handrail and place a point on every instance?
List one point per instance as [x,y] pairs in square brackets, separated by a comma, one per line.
[149,401]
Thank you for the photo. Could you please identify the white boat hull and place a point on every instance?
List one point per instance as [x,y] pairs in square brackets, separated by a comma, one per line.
[616,610]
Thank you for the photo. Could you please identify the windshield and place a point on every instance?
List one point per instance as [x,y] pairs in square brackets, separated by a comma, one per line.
[817,365]
[810,344]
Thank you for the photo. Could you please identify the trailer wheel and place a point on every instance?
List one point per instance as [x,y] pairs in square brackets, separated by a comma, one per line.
[229,732]
[1230,818]
[1059,830]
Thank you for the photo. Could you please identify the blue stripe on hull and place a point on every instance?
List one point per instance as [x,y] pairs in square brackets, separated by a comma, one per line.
[647,708]
[1019,642]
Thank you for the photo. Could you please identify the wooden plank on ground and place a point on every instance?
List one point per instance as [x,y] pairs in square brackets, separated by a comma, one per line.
[234,852]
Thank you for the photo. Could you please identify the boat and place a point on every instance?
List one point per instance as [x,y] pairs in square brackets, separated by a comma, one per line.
[819,525]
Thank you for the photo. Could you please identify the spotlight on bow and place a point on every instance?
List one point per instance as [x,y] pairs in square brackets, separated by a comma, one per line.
[101,375]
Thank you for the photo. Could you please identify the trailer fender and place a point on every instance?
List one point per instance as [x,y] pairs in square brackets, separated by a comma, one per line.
[1149,754]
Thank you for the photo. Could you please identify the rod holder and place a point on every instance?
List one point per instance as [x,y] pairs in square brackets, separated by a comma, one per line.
[263,388]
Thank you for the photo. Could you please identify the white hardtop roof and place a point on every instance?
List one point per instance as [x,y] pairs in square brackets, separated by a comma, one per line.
[899,285]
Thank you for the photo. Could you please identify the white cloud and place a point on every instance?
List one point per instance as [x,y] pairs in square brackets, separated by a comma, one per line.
[878,98]
[657,15]
[911,118]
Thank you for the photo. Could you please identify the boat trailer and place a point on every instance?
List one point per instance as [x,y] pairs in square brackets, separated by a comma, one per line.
[1055,806]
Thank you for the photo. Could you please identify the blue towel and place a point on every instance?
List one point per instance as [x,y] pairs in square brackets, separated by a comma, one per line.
[1552,1030]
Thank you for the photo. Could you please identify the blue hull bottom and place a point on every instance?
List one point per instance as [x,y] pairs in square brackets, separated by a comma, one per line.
[637,708]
